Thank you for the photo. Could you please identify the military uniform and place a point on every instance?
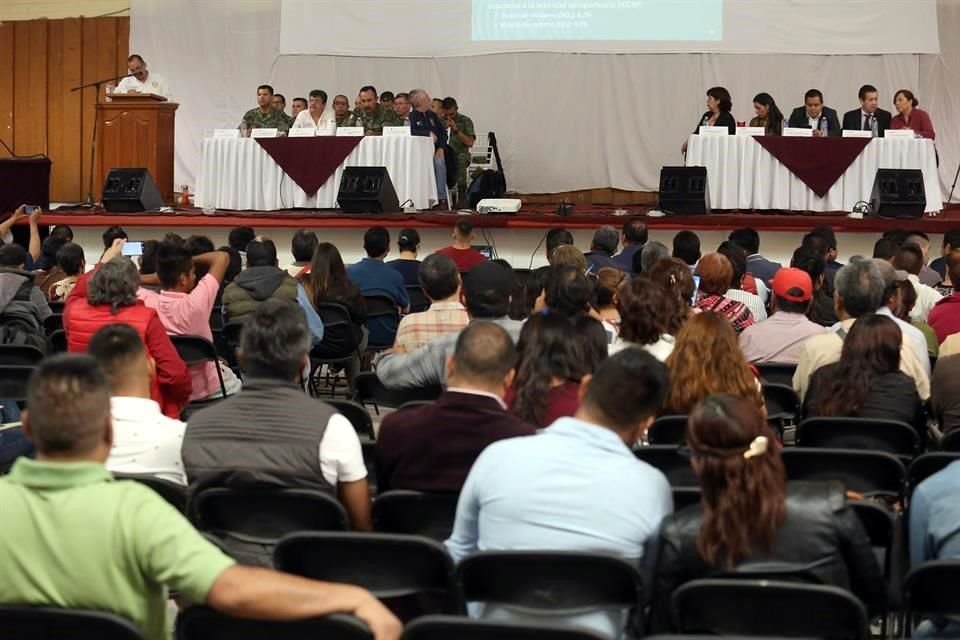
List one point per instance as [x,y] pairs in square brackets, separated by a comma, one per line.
[273,119]
[345,120]
[377,120]
[290,119]
[462,151]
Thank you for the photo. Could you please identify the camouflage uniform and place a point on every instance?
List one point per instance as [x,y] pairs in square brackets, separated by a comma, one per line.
[345,120]
[256,119]
[465,125]
[290,119]
[377,120]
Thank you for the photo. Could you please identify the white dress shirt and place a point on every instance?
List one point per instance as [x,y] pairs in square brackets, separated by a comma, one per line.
[926,298]
[153,84]
[145,441]
[814,122]
[328,121]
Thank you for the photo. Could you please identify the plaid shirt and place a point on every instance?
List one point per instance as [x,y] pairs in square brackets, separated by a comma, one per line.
[736,312]
[417,329]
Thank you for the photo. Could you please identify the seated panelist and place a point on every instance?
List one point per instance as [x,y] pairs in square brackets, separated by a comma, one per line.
[862,119]
[909,117]
[813,113]
[316,115]
[717,114]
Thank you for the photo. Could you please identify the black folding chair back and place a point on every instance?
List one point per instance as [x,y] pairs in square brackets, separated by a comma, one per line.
[19,622]
[371,391]
[358,416]
[13,381]
[203,623]
[415,513]
[782,402]
[418,299]
[20,355]
[872,473]
[230,341]
[174,494]
[931,589]
[776,373]
[922,467]
[339,338]
[384,309]
[57,342]
[880,525]
[53,322]
[57,307]
[770,608]
[951,441]
[671,461]
[865,434]
[461,628]
[684,497]
[197,350]
[668,430]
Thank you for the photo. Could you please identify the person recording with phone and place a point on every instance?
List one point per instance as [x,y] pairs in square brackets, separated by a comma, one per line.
[32,213]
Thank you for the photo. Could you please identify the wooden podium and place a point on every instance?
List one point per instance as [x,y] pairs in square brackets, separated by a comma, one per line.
[136,130]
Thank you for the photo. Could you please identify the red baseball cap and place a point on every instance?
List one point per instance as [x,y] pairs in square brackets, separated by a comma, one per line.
[791,279]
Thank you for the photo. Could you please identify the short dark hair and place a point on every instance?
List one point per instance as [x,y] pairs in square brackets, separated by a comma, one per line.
[816,243]
[825,231]
[439,276]
[116,347]
[62,231]
[631,373]
[568,292]
[69,404]
[70,258]
[449,103]
[686,246]
[172,262]
[319,93]
[261,252]
[386,95]
[402,94]
[12,255]
[912,99]
[368,87]
[909,257]
[885,249]
[722,96]
[952,239]
[865,89]
[303,100]
[635,230]
[556,237]
[376,241]
[148,261]
[240,237]
[111,234]
[484,353]
[810,260]
[408,240]
[265,86]
[791,306]
[812,93]
[738,260]
[281,96]
[897,235]
[463,227]
[747,238]
[198,245]
[236,264]
[275,340]
[303,245]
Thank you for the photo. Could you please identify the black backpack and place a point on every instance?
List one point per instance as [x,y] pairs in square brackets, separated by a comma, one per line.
[489,183]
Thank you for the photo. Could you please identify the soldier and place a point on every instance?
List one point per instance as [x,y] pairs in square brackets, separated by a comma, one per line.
[264,116]
[279,103]
[298,105]
[386,99]
[462,137]
[372,116]
[401,106]
[341,109]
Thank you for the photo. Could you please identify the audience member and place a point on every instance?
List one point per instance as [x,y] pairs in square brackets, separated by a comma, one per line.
[408,244]
[634,236]
[262,280]
[780,338]
[928,276]
[646,310]
[198,245]
[593,340]
[557,237]
[686,246]
[184,305]
[117,546]
[239,238]
[675,276]
[908,300]
[860,290]
[224,447]
[486,295]
[533,299]
[749,516]
[374,278]
[602,247]
[71,263]
[738,260]
[943,316]
[111,298]
[912,337]
[606,299]
[885,249]
[46,271]
[757,265]
[431,448]
[821,309]
[148,260]
[567,292]
[825,232]
[569,255]
[706,360]
[944,394]
[23,306]
[652,253]
[144,440]
[441,284]
[556,490]
[951,241]
[866,382]
[302,246]
[716,277]
[461,251]
[909,258]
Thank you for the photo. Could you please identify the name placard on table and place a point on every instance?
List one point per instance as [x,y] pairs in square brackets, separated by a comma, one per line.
[226,133]
[394,132]
[302,132]
[797,132]
[751,131]
[714,131]
[349,131]
[907,134]
[857,133]
[264,133]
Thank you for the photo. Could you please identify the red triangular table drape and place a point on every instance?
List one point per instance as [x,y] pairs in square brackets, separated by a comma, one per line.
[310,161]
[818,162]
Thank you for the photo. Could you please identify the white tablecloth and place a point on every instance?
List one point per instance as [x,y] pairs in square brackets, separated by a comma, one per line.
[238,174]
[743,175]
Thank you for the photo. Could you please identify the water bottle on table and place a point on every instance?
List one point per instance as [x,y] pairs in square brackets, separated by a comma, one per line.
[874,130]
[823,126]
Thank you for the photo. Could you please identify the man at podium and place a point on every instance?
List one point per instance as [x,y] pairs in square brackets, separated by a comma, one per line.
[142,80]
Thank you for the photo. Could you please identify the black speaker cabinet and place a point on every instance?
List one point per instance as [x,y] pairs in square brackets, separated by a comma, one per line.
[130,191]
[898,193]
[367,190]
[684,190]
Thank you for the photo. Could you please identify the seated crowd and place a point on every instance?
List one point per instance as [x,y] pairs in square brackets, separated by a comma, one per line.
[548,384]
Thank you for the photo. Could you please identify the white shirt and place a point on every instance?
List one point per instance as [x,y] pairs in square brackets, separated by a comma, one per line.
[341,458]
[926,298]
[661,349]
[154,84]
[328,120]
[753,302]
[814,122]
[145,441]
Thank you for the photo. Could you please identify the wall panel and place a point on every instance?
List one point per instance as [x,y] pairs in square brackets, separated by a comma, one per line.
[6,85]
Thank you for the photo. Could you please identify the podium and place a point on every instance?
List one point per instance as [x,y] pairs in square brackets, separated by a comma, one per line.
[136,130]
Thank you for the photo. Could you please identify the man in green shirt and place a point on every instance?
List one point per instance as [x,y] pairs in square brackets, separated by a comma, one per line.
[341,110]
[372,116]
[279,102]
[72,537]
[264,116]
[462,137]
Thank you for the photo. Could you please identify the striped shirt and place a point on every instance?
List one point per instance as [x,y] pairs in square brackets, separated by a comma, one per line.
[417,329]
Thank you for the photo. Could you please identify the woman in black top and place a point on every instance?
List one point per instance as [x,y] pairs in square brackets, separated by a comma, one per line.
[750,520]
[867,381]
[717,114]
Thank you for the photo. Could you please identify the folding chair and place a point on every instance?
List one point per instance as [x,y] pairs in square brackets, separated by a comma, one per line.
[684,497]
[668,430]
[450,627]
[20,355]
[671,461]
[776,373]
[371,391]
[866,434]
[930,590]
[57,342]
[53,322]
[363,424]
[922,467]
[950,441]
[20,622]
[338,348]
[872,473]
[174,494]
[203,623]
[13,382]
[57,307]
[418,299]
[230,342]
[382,308]
[783,405]
[198,350]
[415,513]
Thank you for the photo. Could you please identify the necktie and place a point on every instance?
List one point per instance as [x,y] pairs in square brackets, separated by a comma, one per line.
[866,123]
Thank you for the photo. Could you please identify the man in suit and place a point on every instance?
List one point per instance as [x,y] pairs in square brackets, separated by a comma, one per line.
[432,448]
[861,119]
[812,113]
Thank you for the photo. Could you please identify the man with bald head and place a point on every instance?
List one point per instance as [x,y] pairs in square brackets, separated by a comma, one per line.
[432,448]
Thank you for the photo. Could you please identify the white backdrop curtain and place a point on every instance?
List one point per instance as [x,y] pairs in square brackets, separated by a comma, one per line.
[565,121]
